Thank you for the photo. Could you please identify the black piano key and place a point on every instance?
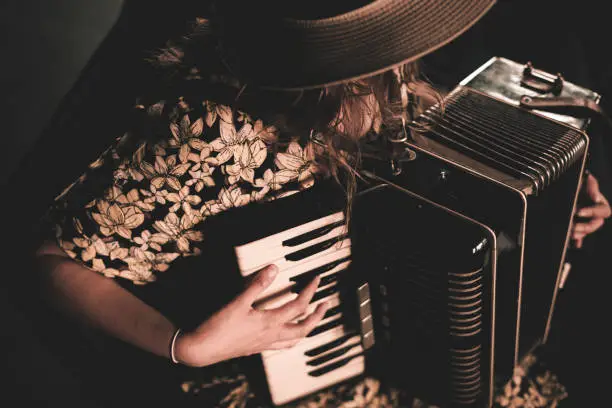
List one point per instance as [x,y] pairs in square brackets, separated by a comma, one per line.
[333,366]
[324,293]
[332,312]
[328,346]
[313,249]
[308,276]
[325,281]
[325,327]
[330,356]
[316,233]
[329,279]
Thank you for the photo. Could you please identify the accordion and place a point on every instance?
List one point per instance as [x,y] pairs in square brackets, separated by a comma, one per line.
[448,273]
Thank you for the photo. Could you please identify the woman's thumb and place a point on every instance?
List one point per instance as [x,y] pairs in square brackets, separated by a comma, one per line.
[262,280]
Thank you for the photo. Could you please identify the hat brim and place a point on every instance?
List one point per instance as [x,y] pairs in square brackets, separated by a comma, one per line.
[291,54]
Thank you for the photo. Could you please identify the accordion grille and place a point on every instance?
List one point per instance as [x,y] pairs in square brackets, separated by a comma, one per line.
[505,137]
[443,299]
[465,313]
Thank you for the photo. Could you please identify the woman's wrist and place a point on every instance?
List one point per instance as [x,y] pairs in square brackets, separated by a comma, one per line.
[189,350]
[173,341]
[180,348]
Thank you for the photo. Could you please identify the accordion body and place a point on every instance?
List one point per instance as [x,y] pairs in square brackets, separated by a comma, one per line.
[509,178]
[446,273]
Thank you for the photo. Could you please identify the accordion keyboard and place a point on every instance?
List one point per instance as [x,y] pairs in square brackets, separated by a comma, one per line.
[334,350]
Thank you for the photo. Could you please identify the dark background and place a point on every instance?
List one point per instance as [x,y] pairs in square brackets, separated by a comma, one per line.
[46,44]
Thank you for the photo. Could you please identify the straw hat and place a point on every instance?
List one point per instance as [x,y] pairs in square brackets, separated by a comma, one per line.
[301,44]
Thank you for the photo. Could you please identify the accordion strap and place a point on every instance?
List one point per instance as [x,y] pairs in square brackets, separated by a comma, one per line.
[577,107]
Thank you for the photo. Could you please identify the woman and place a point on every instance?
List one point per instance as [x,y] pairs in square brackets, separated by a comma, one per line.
[256,103]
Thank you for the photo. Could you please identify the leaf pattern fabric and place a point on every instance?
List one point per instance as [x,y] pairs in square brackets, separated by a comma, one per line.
[130,217]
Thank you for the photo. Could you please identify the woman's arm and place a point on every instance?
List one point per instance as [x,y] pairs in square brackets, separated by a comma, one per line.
[102,303]
[236,330]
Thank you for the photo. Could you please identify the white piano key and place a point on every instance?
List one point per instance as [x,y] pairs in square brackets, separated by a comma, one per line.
[287,370]
[282,263]
[257,254]
[334,353]
[283,282]
[288,378]
[308,343]
[252,259]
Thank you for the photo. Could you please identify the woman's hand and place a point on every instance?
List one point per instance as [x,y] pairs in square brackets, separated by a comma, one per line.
[595,214]
[240,330]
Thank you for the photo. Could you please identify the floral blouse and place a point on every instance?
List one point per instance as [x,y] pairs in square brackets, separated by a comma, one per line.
[133,216]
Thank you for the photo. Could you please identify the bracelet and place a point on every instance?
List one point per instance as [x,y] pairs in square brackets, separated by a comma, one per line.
[172,344]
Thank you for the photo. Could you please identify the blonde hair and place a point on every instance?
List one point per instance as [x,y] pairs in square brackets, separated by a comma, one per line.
[400,95]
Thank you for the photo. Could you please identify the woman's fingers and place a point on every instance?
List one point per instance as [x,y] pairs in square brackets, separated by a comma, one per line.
[596,214]
[260,282]
[588,227]
[285,344]
[297,306]
[592,188]
[600,210]
[295,332]
[277,322]
[578,242]
[299,330]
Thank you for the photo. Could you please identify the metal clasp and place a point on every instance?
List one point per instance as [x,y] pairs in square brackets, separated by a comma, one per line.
[401,152]
[540,81]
